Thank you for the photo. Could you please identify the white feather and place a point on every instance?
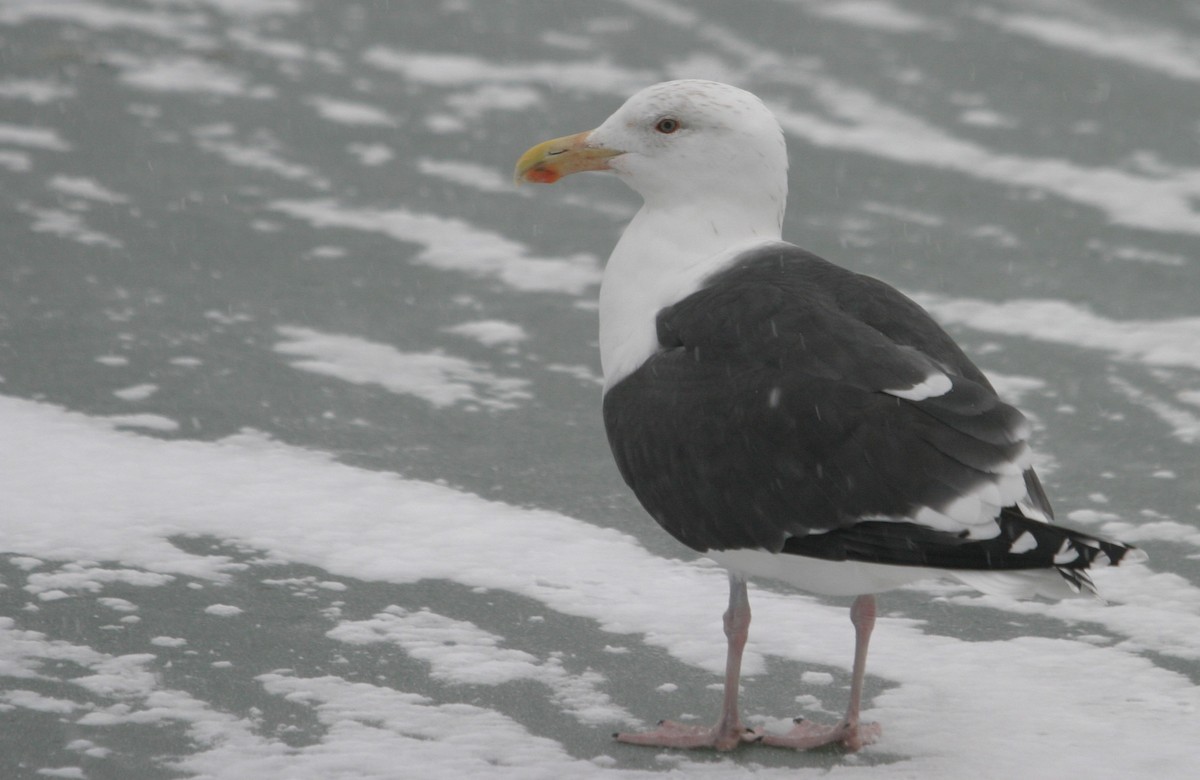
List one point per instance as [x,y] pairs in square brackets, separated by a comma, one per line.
[712,190]
[933,386]
[855,578]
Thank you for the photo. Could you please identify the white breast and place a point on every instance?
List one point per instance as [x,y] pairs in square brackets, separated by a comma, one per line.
[660,260]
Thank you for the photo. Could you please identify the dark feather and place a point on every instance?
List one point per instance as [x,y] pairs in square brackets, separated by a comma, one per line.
[765,416]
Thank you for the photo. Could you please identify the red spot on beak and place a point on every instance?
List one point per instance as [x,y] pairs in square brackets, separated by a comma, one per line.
[542,175]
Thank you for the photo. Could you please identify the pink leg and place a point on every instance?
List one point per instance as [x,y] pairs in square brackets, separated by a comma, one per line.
[729,731]
[850,732]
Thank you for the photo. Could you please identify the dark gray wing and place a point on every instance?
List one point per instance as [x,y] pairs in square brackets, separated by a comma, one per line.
[771,412]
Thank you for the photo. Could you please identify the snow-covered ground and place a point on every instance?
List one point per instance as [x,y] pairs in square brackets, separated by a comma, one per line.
[301,467]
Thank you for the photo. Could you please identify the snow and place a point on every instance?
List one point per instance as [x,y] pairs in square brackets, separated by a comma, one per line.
[187,74]
[256,8]
[83,187]
[982,117]
[117,604]
[36,701]
[467,174]
[98,16]
[1125,39]
[36,91]
[33,137]
[875,14]
[151,422]
[168,641]
[371,155]
[454,244]
[15,161]
[63,771]
[472,637]
[1184,424]
[866,124]
[1166,342]
[223,610]
[138,392]
[460,652]
[260,152]
[68,225]
[90,577]
[854,119]
[126,494]
[490,333]
[439,379]
[349,112]
[458,70]
[112,360]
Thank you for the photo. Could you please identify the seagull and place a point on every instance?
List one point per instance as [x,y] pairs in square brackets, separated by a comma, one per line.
[789,418]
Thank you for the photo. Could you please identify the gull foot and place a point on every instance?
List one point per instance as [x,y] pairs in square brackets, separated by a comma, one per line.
[671,734]
[806,735]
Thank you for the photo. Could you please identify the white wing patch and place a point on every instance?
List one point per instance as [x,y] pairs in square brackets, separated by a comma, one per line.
[1023,543]
[933,386]
[966,513]
[976,512]
[1066,554]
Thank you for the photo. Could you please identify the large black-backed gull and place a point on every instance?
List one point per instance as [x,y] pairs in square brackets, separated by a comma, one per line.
[787,417]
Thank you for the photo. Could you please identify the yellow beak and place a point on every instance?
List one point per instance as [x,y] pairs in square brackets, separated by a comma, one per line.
[549,161]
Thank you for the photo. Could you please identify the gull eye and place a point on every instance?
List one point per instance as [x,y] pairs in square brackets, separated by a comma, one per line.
[667,125]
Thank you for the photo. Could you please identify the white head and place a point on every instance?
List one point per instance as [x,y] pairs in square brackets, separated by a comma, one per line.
[680,142]
[710,162]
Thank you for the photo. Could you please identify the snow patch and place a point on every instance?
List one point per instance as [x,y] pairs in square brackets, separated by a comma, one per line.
[490,333]
[348,112]
[454,245]
[461,652]
[439,379]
